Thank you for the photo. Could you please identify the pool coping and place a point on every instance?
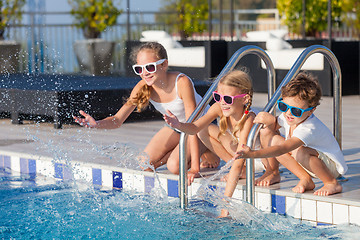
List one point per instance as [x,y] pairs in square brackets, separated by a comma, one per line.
[318,210]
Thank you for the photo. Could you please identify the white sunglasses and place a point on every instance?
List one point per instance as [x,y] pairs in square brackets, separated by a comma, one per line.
[150,67]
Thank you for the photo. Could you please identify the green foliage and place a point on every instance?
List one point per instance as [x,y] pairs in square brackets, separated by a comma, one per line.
[352,14]
[315,16]
[10,10]
[190,17]
[94,16]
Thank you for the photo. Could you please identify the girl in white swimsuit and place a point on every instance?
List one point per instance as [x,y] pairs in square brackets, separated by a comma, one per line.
[165,90]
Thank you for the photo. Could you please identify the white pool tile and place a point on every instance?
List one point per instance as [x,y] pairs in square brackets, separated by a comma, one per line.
[354,215]
[45,168]
[263,201]
[162,183]
[194,188]
[340,213]
[107,178]
[238,194]
[139,183]
[308,210]
[324,212]
[15,164]
[293,207]
[127,181]
[82,173]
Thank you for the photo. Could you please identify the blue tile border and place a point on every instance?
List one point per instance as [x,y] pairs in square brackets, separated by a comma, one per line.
[7,161]
[149,183]
[32,166]
[117,180]
[59,170]
[100,179]
[173,188]
[278,204]
[96,176]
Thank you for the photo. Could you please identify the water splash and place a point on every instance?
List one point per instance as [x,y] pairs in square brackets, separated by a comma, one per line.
[238,210]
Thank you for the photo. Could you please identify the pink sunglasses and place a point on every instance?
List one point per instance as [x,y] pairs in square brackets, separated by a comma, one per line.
[227,99]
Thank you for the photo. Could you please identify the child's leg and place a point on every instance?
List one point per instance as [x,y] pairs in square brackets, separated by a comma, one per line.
[161,145]
[309,159]
[287,161]
[209,159]
[209,137]
[271,175]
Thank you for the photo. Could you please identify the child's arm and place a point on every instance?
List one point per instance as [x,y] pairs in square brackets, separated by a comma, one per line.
[267,119]
[273,151]
[236,168]
[194,127]
[111,122]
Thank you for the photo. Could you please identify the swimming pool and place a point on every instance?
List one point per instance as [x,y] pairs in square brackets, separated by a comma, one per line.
[35,207]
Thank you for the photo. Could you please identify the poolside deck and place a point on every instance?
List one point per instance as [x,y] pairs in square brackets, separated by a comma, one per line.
[22,145]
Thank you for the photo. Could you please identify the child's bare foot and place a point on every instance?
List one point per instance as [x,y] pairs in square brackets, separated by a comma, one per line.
[329,189]
[304,185]
[268,178]
[209,160]
[224,213]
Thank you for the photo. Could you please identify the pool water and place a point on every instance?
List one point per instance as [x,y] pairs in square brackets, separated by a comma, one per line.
[43,208]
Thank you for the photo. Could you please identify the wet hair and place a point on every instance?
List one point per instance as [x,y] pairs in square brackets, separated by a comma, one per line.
[242,81]
[141,100]
[306,87]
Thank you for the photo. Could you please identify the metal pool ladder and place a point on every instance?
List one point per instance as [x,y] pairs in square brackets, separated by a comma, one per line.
[207,98]
[337,111]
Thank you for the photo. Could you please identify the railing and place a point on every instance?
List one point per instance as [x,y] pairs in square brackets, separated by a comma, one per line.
[47,48]
[205,101]
[250,187]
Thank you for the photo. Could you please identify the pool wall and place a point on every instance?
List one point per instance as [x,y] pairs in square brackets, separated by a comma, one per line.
[307,207]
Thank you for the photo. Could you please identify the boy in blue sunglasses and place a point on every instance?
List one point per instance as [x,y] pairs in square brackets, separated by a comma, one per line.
[309,149]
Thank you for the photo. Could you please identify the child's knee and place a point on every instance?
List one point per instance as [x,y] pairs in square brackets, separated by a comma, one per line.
[173,166]
[203,134]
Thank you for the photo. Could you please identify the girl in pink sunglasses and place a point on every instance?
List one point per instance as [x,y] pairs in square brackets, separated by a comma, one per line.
[233,99]
[164,90]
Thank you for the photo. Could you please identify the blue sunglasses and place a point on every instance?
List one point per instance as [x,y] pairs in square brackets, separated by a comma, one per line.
[295,111]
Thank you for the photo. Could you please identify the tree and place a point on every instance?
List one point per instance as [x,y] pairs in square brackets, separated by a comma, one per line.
[315,17]
[351,14]
[10,10]
[190,17]
[94,16]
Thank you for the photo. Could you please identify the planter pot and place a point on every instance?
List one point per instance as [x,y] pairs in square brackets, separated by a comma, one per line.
[94,56]
[9,57]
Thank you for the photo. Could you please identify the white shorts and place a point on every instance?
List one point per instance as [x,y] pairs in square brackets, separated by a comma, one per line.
[330,164]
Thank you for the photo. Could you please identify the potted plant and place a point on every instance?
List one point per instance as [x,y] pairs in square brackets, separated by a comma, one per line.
[10,12]
[93,17]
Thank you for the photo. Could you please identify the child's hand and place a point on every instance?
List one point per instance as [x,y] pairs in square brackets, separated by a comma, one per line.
[245,152]
[191,176]
[87,121]
[264,118]
[171,119]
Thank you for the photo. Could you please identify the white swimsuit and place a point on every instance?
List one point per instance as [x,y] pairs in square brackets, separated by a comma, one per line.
[177,105]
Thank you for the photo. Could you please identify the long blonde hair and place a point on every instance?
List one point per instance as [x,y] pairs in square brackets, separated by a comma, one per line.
[242,81]
[141,100]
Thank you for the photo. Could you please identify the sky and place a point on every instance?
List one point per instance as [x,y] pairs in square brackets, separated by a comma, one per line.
[63,6]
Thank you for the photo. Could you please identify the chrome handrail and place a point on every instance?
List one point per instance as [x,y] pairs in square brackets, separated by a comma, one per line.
[271,104]
[206,100]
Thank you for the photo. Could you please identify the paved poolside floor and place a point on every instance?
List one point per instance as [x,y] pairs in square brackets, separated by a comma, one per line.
[97,146]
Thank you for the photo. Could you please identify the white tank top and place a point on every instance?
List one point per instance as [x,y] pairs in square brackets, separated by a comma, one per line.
[177,105]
